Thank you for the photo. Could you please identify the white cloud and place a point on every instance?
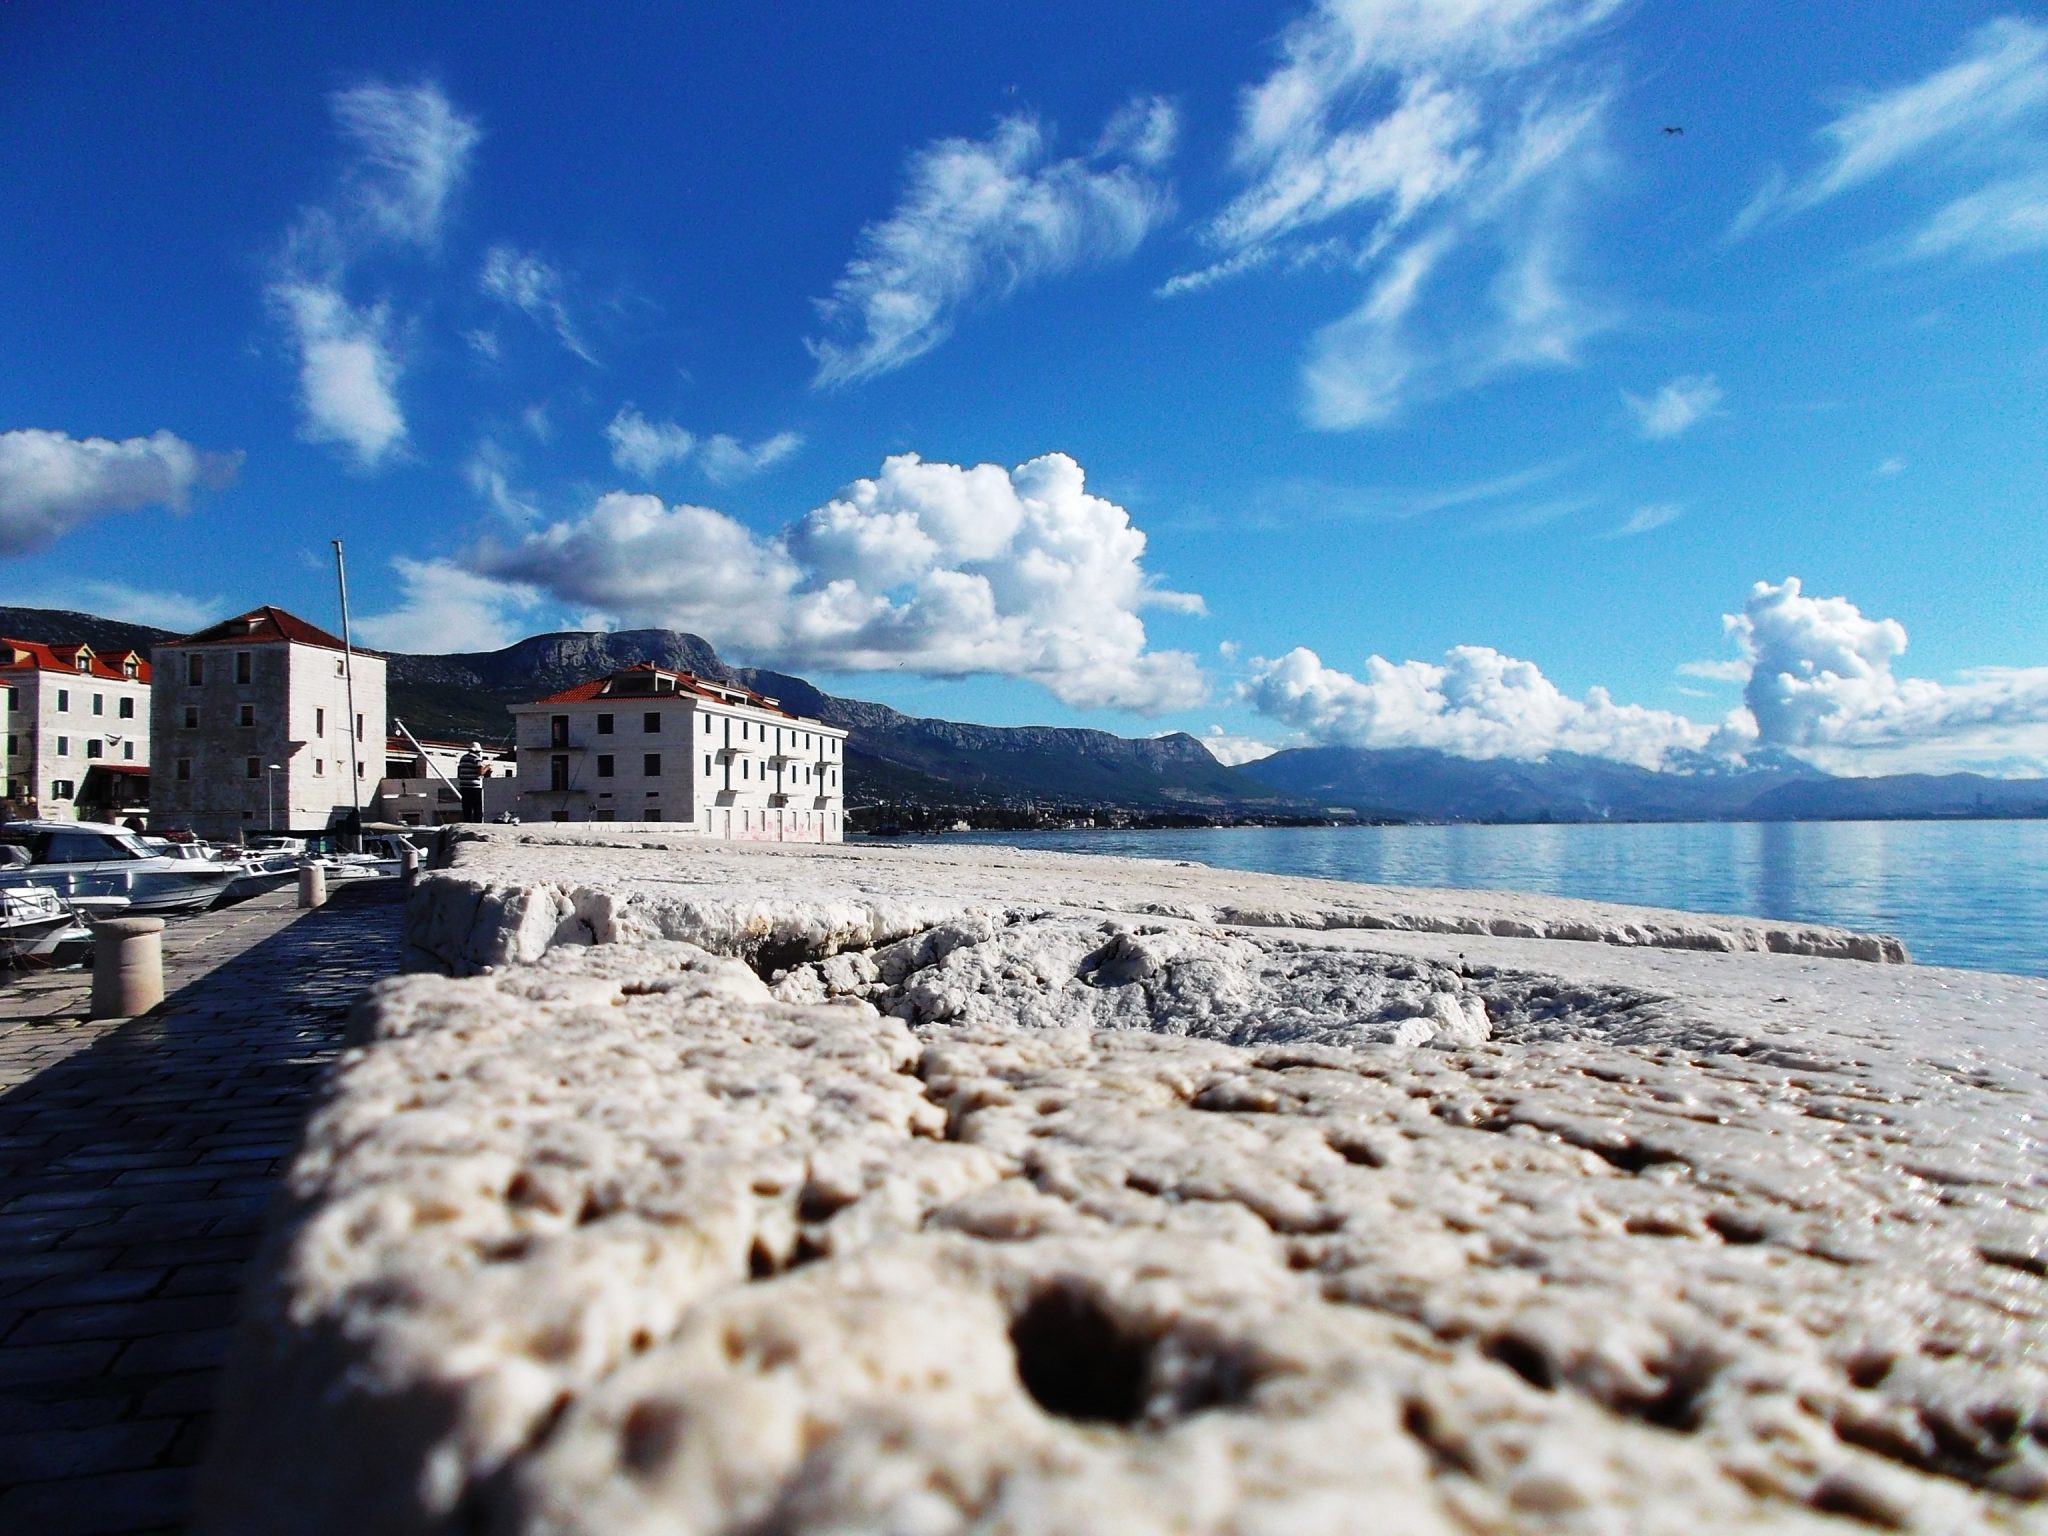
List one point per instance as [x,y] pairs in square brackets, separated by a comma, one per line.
[934,568]
[725,459]
[1716,671]
[1890,467]
[1646,518]
[644,447]
[447,608]
[52,483]
[1977,118]
[978,220]
[348,372]
[1427,145]
[1822,683]
[1232,750]
[1478,703]
[410,152]
[1680,404]
[1145,131]
[528,284]
[489,472]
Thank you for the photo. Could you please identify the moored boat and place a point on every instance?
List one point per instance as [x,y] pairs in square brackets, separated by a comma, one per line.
[92,859]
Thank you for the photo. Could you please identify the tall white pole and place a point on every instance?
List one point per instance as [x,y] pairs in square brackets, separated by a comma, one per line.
[355,772]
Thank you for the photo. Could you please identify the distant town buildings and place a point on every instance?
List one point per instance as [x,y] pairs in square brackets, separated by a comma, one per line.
[651,745]
[77,731]
[251,728]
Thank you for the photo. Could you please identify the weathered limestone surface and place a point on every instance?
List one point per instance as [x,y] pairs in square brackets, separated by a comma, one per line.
[972,1191]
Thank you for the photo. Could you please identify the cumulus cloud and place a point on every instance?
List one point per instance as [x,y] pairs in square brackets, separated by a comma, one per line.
[646,448]
[941,569]
[1432,147]
[444,607]
[409,151]
[981,218]
[1680,404]
[1821,682]
[1477,703]
[1232,750]
[726,459]
[52,483]
[1978,118]
[117,600]
[530,285]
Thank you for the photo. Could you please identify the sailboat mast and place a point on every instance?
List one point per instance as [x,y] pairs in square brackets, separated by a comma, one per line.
[355,772]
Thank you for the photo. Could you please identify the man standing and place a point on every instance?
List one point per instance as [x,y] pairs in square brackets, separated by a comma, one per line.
[469,780]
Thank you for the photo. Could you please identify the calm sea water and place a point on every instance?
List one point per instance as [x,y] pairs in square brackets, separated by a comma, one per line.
[1967,893]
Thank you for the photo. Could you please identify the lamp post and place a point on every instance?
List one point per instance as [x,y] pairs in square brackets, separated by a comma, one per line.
[270,774]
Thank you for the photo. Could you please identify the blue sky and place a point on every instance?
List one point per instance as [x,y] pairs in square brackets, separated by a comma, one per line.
[1375,372]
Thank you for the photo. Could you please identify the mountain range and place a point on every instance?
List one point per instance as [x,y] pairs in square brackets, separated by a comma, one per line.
[899,760]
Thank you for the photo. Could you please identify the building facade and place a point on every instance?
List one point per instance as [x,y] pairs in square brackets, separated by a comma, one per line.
[649,745]
[78,726]
[422,779]
[251,728]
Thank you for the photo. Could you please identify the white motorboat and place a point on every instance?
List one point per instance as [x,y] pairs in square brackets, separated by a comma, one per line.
[31,918]
[92,859]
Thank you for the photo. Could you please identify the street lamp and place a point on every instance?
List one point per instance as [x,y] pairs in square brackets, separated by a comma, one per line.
[270,775]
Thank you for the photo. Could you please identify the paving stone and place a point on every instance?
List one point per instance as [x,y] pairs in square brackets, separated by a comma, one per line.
[38,1456]
[118,1502]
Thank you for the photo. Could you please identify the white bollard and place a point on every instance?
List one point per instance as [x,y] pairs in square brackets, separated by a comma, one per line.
[408,863]
[127,966]
[312,886]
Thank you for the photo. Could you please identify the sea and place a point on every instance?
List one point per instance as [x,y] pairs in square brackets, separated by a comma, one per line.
[1959,893]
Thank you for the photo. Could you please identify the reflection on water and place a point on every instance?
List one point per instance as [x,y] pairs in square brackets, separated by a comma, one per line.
[1969,893]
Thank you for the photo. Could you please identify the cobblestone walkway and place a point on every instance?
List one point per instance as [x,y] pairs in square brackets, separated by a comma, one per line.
[135,1162]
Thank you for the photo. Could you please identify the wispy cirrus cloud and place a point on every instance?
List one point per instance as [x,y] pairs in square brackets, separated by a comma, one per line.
[52,483]
[1444,152]
[529,284]
[1676,407]
[1645,519]
[409,150]
[980,219]
[1979,120]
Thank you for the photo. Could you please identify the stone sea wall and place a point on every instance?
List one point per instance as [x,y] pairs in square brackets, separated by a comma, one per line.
[942,1190]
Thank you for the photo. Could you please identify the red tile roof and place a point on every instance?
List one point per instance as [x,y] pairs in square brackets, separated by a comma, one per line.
[686,683]
[27,655]
[265,624]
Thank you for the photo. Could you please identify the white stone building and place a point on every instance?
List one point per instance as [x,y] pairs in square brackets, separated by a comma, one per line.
[77,731]
[421,778]
[646,744]
[251,729]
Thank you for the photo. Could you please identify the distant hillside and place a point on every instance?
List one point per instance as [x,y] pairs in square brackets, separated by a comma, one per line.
[60,626]
[1418,784]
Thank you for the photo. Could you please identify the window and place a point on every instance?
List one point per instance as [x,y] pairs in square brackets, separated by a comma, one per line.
[127,751]
[339,669]
[13,700]
[558,773]
[254,767]
[651,722]
[650,765]
[195,669]
[707,765]
[604,725]
[319,722]
[184,774]
[653,813]
[319,767]
[99,703]
[60,789]
[63,746]
[745,769]
[359,727]
[84,662]
[94,748]
[359,770]
[558,730]
[707,725]
[602,814]
[191,717]
[244,667]
[604,765]
[14,746]
[131,668]
[64,698]
[245,714]
[127,709]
